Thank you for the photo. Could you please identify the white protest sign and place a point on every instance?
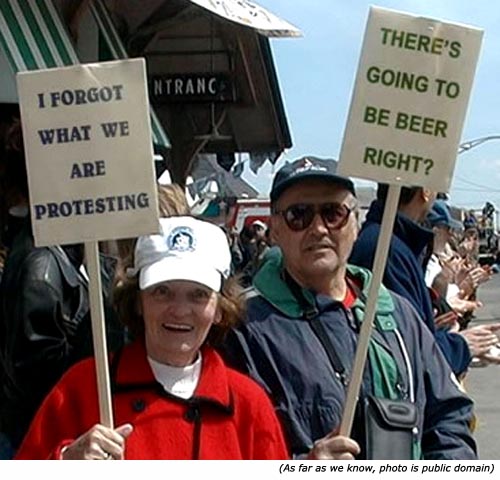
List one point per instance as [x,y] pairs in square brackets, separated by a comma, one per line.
[87,138]
[410,99]
[404,126]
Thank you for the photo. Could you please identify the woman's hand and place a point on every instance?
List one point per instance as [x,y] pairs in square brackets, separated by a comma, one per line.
[99,443]
[334,447]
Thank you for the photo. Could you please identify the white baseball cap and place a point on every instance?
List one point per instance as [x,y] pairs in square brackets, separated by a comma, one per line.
[187,249]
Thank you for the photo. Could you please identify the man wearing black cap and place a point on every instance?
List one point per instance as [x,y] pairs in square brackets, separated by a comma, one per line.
[303,318]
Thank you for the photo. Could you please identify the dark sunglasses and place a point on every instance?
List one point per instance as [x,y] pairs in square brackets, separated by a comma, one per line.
[300,215]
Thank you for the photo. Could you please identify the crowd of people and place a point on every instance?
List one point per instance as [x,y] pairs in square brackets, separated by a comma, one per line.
[242,347]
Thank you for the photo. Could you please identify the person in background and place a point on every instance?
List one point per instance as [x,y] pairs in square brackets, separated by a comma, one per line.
[470,220]
[259,229]
[455,281]
[173,396]
[300,333]
[172,200]
[248,249]
[450,274]
[404,272]
[262,246]
[468,246]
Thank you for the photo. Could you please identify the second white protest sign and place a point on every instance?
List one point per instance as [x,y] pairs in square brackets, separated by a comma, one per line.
[406,117]
[410,99]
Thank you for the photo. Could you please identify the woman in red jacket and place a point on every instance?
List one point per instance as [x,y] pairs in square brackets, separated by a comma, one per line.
[173,397]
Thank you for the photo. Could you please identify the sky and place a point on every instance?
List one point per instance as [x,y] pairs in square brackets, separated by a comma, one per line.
[317,71]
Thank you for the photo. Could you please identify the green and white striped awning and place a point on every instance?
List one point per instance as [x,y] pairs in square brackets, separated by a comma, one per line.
[33,37]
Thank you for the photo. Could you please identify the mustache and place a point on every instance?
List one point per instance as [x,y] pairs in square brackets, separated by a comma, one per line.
[319,244]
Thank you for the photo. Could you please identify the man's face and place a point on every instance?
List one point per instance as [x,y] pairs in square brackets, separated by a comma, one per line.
[317,250]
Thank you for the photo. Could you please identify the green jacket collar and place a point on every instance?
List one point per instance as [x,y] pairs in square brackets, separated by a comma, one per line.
[269,282]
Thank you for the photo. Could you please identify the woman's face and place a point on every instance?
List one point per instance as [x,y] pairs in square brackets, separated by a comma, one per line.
[177,318]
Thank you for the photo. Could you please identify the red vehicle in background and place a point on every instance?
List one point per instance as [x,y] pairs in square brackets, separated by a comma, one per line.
[246,211]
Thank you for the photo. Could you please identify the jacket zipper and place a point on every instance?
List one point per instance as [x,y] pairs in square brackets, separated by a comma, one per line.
[193,414]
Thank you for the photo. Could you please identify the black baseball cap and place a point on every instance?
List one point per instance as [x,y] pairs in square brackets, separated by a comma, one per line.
[307,168]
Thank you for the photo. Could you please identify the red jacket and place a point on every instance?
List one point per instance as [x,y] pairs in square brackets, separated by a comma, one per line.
[229,416]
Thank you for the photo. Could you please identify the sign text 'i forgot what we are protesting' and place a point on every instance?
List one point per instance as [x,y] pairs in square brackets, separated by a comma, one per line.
[88,136]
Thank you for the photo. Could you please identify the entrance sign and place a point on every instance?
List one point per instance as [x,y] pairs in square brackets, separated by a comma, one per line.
[87,138]
[404,126]
[410,99]
[191,88]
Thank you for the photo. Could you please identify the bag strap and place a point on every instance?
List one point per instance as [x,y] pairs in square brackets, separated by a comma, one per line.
[311,315]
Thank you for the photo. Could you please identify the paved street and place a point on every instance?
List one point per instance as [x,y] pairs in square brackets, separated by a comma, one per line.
[483,383]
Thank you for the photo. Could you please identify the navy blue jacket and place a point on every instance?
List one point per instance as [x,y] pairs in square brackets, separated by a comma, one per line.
[404,275]
[278,347]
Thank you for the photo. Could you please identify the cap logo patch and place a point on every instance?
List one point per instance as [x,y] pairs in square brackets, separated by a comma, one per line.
[181,239]
[308,165]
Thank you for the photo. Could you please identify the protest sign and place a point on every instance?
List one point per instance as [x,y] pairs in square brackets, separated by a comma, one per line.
[87,138]
[89,158]
[410,99]
[405,122]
